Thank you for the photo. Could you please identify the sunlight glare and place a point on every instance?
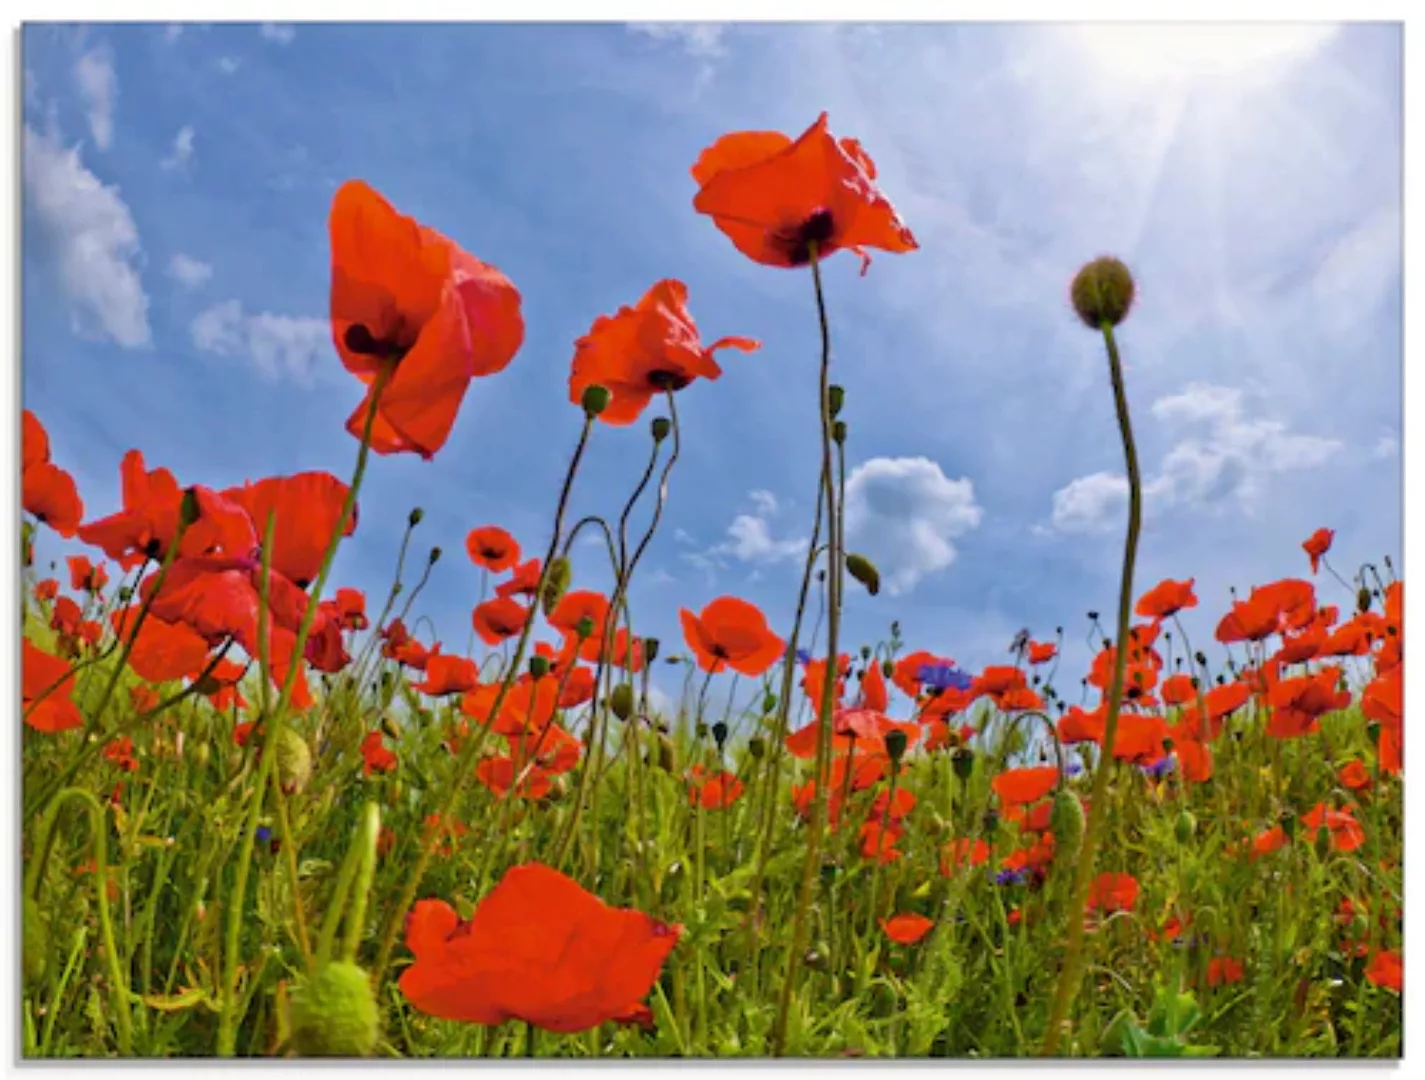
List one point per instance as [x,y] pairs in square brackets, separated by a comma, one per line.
[1196,52]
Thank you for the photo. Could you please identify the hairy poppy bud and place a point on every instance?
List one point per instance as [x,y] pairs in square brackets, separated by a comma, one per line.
[434,555]
[334,1014]
[757,747]
[667,757]
[769,701]
[888,668]
[816,957]
[1185,827]
[895,741]
[584,628]
[188,508]
[661,426]
[864,571]
[294,761]
[1066,822]
[1363,600]
[838,432]
[538,666]
[595,400]
[836,397]
[390,727]
[556,583]
[964,761]
[621,701]
[650,649]
[36,941]
[700,730]
[1103,293]
[1288,824]
[719,734]
[415,518]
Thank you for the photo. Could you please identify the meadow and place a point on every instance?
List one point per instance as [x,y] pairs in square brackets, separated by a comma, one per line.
[262,817]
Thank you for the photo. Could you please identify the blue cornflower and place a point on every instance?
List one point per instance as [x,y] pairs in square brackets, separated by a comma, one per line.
[1073,768]
[1011,877]
[264,834]
[803,657]
[944,677]
[1160,768]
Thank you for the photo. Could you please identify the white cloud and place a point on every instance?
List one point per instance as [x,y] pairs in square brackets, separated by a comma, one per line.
[278,345]
[228,64]
[94,239]
[1228,457]
[749,539]
[1387,446]
[702,40]
[189,272]
[764,502]
[903,513]
[281,34]
[98,87]
[182,148]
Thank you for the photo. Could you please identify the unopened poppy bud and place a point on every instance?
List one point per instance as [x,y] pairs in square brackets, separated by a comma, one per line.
[757,747]
[188,508]
[719,734]
[126,593]
[1363,600]
[621,701]
[816,957]
[334,1014]
[650,649]
[661,426]
[895,745]
[584,628]
[888,668]
[864,571]
[667,756]
[1323,843]
[538,666]
[865,652]
[1066,822]
[963,760]
[595,400]
[838,432]
[700,731]
[769,701]
[294,761]
[434,555]
[1201,659]
[1103,293]
[390,727]
[556,583]
[836,397]
[1288,824]
[416,515]
[1185,827]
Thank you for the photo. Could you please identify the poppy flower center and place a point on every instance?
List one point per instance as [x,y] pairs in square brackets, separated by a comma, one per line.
[359,339]
[819,228]
[667,380]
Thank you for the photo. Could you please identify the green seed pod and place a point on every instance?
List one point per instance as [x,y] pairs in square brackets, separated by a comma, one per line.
[838,432]
[661,427]
[538,666]
[621,701]
[36,941]
[294,761]
[1185,827]
[584,628]
[1066,822]
[964,761]
[667,756]
[650,649]
[1102,293]
[864,571]
[757,747]
[1363,600]
[769,702]
[390,727]
[895,741]
[556,583]
[888,668]
[596,400]
[334,1014]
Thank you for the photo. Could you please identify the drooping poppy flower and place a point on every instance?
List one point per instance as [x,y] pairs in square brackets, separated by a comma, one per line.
[776,198]
[1387,970]
[1113,892]
[1283,605]
[1298,703]
[1224,971]
[375,755]
[48,492]
[715,791]
[732,633]
[907,929]
[524,581]
[84,576]
[493,548]
[448,675]
[539,949]
[1166,599]
[874,695]
[351,609]
[1178,689]
[1023,786]
[1080,726]
[893,809]
[1317,545]
[880,843]
[407,301]
[306,508]
[499,619]
[644,350]
[39,672]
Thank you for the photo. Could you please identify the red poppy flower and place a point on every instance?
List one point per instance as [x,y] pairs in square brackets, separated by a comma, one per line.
[880,843]
[1080,726]
[538,949]
[46,490]
[907,929]
[1194,760]
[162,651]
[146,525]
[1023,786]
[574,607]
[963,852]
[39,671]
[814,682]
[1346,832]
[1387,970]
[1036,857]
[375,755]
[1383,699]
[84,576]
[142,698]
[1041,652]
[732,633]
[1166,599]
[1298,703]
[121,752]
[1316,545]
[874,695]
[1273,839]
[717,791]
[1113,892]
[1178,689]
[523,582]
[1221,701]
[1283,605]
[351,609]
[47,589]
[550,747]
[1224,971]
[406,300]
[908,668]
[499,619]
[1354,775]
[503,775]
[66,617]
[493,548]
[645,350]
[774,198]
[307,508]
[448,675]
[893,809]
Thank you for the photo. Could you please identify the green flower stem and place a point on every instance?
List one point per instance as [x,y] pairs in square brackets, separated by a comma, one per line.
[1071,972]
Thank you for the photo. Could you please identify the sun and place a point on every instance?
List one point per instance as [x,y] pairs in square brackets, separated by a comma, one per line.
[1197,53]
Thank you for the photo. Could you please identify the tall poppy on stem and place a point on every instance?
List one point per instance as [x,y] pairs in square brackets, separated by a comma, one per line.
[731,633]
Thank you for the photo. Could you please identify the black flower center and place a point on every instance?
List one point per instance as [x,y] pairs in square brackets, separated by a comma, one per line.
[360,340]
[819,229]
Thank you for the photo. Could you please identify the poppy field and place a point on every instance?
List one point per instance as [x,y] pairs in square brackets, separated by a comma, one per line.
[264,815]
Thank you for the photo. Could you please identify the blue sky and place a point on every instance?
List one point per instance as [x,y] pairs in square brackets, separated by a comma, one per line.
[176,273]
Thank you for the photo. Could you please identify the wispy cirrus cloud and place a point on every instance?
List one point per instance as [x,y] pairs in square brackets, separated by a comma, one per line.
[98,86]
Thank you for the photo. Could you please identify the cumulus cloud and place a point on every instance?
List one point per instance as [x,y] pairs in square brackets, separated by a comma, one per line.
[182,148]
[278,33]
[189,272]
[98,87]
[1227,456]
[751,538]
[278,345]
[903,514]
[91,233]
